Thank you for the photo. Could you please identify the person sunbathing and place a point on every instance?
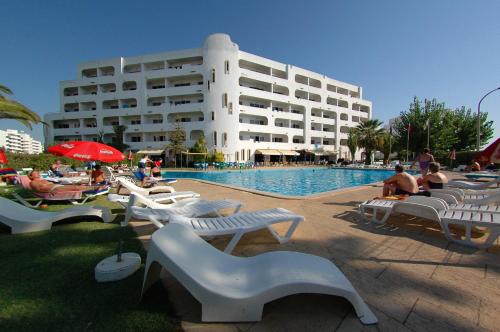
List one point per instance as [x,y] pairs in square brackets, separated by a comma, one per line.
[97,175]
[41,185]
[401,183]
[435,179]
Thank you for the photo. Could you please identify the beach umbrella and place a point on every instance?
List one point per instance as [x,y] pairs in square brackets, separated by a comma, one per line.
[491,154]
[87,151]
[3,157]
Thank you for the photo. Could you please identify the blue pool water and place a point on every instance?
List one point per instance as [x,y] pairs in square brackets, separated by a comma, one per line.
[290,182]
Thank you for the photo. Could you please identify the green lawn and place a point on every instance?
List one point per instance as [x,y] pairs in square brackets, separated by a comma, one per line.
[47,281]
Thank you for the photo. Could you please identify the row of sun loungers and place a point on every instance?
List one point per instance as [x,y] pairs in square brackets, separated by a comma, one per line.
[229,288]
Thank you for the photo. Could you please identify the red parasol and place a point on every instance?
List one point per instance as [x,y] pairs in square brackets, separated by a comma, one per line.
[491,154]
[87,151]
[3,157]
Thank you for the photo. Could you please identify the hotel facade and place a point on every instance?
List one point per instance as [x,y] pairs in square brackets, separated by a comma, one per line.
[245,105]
[19,142]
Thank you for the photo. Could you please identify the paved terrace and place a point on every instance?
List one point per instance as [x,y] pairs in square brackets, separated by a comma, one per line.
[411,277]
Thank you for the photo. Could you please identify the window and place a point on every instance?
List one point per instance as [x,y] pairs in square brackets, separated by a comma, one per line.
[248,154]
[213,75]
[224,139]
[215,138]
[136,138]
[296,140]
[213,116]
[226,66]
[278,139]
[230,109]
[185,120]
[208,85]
[224,100]
[115,123]
[157,120]
[236,156]
[135,122]
[242,154]
[160,138]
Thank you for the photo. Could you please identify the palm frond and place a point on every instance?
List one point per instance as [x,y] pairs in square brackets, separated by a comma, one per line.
[5,89]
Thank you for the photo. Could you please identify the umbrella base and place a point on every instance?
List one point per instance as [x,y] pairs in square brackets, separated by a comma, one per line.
[110,270]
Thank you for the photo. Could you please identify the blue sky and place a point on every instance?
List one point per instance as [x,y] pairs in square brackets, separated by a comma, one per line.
[447,49]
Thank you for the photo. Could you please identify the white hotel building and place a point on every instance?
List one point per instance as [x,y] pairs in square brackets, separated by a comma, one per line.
[244,104]
[19,142]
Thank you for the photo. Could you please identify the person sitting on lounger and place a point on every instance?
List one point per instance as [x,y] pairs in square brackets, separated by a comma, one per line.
[56,169]
[435,179]
[41,185]
[98,176]
[401,183]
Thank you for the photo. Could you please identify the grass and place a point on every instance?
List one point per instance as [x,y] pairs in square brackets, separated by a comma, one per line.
[47,281]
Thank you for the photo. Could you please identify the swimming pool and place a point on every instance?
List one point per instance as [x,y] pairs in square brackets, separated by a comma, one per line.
[290,182]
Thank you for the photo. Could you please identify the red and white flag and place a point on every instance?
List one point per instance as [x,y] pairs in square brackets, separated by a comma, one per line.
[130,155]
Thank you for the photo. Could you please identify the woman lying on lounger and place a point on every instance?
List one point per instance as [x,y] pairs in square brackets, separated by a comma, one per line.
[41,185]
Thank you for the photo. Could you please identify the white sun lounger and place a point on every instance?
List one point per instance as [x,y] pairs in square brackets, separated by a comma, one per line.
[122,182]
[472,185]
[235,289]
[445,218]
[376,206]
[187,207]
[239,224]
[476,197]
[438,210]
[158,198]
[22,219]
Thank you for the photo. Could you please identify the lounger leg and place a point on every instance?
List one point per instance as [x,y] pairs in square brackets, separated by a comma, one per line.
[288,234]
[234,241]
[151,275]
[25,202]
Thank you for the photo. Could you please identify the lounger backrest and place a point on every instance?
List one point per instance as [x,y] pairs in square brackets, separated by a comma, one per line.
[25,181]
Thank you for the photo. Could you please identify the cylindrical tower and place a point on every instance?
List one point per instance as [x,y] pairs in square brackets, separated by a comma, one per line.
[220,62]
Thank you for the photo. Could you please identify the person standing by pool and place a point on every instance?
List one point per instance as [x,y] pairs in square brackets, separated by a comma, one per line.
[142,168]
[424,159]
[401,183]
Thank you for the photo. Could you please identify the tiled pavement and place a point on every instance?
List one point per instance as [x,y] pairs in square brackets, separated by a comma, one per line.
[411,277]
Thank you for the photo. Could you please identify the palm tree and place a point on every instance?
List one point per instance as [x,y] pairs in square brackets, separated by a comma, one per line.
[11,109]
[352,142]
[370,135]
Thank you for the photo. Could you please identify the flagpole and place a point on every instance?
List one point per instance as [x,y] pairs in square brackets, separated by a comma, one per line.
[408,143]
[390,144]
[428,134]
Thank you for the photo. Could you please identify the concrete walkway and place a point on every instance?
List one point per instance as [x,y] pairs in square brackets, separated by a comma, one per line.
[411,277]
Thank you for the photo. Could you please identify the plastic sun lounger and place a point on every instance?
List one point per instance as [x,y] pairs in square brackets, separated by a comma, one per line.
[77,197]
[438,210]
[122,182]
[476,197]
[239,224]
[375,206]
[24,220]
[158,198]
[188,207]
[235,289]
[150,179]
[472,185]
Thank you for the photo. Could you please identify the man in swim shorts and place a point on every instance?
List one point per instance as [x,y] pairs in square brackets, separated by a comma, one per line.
[401,183]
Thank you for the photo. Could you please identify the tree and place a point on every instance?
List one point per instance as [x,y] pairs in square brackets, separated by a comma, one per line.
[385,145]
[449,128]
[352,142]
[200,146]
[369,134]
[11,109]
[117,141]
[177,138]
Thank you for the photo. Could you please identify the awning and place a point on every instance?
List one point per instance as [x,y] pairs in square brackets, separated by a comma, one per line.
[289,153]
[150,151]
[268,152]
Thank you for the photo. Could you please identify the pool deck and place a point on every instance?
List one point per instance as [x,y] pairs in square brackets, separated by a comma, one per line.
[411,277]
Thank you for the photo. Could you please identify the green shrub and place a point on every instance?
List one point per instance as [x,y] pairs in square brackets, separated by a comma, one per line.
[41,161]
